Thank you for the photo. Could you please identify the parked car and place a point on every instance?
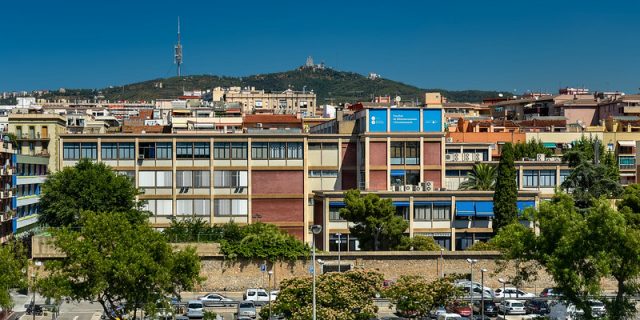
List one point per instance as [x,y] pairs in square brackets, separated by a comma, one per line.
[536,306]
[550,293]
[246,309]
[215,299]
[511,293]
[478,289]
[449,316]
[437,312]
[460,308]
[258,296]
[490,308]
[274,295]
[561,311]
[195,309]
[597,308]
[512,307]
[34,309]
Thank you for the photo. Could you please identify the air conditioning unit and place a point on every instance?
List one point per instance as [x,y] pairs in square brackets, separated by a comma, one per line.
[477,157]
[418,188]
[398,188]
[427,186]
[141,157]
[540,157]
[449,140]
[408,187]
[468,157]
[448,157]
[456,157]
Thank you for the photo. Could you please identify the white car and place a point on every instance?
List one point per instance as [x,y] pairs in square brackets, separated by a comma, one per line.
[258,296]
[512,293]
[478,289]
[195,309]
[215,299]
[449,316]
[512,307]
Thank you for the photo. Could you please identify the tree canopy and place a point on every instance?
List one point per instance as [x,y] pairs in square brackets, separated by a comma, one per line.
[414,296]
[116,262]
[482,177]
[264,241]
[419,243]
[339,296]
[375,222]
[506,195]
[86,186]
[530,149]
[12,262]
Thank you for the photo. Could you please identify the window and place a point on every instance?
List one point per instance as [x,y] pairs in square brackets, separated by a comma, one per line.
[405,152]
[323,173]
[163,179]
[160,207]
[530,179]
[147,178]
[334,214]
[201,207]
[184,207]
[563,175]
[397,153]
[404,177]
[276,150]
[315,173]
[230,179]
[147,150]
[422,212]
[201,179]
[441,212]
[329,173]
[201,150]
[294,150]
[184,150]
[126,150]
[184,179]
[230,207]
[239,150]
[547,178]
[403,211]
[71,151]
[155,150]
[221,151]
[164,150]
[109,150]
[260,150]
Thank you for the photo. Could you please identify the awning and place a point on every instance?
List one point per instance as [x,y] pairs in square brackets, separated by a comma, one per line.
[465,208]
[550,145]
[337,204]
[627,143]
[525,204]
[484,208]
[401,203]
[395,173]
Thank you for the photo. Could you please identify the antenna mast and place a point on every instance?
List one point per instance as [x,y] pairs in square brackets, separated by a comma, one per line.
[177,59]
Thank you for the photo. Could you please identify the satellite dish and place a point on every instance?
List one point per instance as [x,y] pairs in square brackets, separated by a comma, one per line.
[500,95]
[398,99]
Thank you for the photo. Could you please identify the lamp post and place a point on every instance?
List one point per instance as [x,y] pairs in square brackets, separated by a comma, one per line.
[482,271]
[471,263]
[442,259]
[315,229]
[339,235]
[504,283]
[269,287]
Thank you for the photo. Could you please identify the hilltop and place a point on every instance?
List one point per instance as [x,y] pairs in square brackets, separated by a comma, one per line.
[331,86]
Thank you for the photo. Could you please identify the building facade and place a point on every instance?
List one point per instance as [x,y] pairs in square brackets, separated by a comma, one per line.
[38,134]
[261,101]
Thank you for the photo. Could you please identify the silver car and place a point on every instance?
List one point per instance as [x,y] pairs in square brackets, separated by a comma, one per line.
[195,309]
[246,309]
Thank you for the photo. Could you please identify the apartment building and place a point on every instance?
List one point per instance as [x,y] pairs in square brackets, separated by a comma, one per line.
[261,101]
[29,175]
[38,134]
[7,165]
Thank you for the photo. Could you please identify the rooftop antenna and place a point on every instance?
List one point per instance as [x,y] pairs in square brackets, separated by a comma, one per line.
[178,51]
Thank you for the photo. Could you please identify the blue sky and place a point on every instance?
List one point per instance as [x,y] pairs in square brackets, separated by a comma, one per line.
[504,45]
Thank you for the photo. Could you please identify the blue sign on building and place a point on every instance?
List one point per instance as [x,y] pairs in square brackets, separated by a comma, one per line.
[377,120]
[432,120]
[405,120]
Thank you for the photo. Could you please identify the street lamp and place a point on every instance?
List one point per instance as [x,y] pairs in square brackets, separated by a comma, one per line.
[315,229]
[471,263]
[339,241]
[504,283]
[269,287]
[482,271]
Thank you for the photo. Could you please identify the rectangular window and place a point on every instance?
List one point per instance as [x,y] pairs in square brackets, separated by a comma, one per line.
[163,179]
[547,178]
[201,207]
[201,150]
[564,174]
[221,151]
[315,173]
[184,207]
[89,150]
[201,179]
[530,178]
[294,150]
[441,212]
[164,150]
[329,173]
[184,179]
[164,207]
[230,207]
[126,150]
[71,151]
[184,150]
[230,179]
[238,207]
[109,150]
[147,150]
[397,153]
[412,153]
[260,150]
[276,150]
[422,212]
[222,207]
[239,150]
[147,178]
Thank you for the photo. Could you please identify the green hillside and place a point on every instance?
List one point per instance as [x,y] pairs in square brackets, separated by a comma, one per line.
[331,86]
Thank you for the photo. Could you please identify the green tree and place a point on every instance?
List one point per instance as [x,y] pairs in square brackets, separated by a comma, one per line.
[482,177]
[266,242]
[375,222]
[339,296]
[87,186]
[418,243]
[629,204]
[506,194]
[12,262]
[482,246]
[530,149]
[413,296]
[114,261]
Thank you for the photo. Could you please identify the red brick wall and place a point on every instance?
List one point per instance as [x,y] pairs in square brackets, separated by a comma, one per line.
[278,210]
[277,182]
[435,176]
[297,232]
[432,153]
[378,153]
[377,180]
[349,154]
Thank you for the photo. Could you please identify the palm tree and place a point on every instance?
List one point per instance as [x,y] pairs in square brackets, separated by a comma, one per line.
[482,177]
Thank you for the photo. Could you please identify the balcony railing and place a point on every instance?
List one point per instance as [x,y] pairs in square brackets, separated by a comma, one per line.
[627,167]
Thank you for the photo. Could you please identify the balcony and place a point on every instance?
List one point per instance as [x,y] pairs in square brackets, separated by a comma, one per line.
[27,200]
[32,137]
[20,180]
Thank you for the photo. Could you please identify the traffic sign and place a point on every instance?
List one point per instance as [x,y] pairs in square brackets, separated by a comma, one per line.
[263,268]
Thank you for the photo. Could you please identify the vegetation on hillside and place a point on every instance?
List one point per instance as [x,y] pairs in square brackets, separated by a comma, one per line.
[331,86]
